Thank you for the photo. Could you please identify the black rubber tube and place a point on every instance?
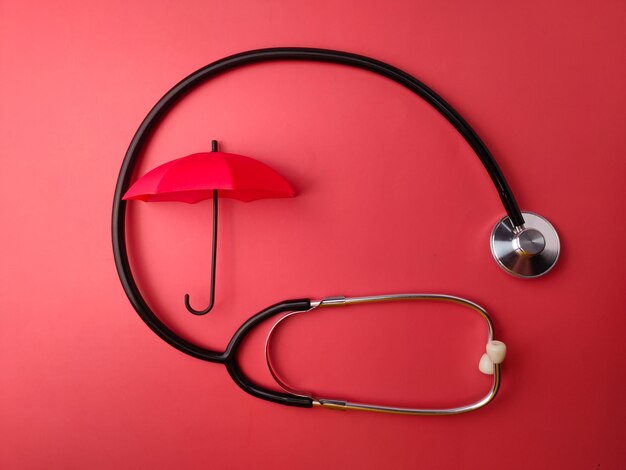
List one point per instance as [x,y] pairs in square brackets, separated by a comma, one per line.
[232,364]
[221,66]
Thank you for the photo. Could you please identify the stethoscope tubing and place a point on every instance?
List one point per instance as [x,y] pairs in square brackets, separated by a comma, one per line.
[192,81]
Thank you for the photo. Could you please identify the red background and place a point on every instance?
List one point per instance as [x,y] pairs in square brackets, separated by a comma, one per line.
[390,200]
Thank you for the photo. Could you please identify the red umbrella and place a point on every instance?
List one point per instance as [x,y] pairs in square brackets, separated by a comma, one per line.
[206,175]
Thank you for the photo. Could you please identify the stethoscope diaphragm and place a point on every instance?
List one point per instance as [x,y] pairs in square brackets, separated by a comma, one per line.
[528,251]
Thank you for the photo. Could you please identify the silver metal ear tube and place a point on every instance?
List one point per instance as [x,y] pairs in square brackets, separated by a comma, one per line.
[337,404]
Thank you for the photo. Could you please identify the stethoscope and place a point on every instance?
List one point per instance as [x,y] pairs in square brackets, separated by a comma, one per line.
[523,243]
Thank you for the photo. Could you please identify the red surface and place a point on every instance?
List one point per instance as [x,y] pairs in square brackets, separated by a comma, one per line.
[390,199]
[193,178]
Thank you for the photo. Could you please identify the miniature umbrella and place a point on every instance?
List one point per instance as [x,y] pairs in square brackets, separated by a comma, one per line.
[206,175]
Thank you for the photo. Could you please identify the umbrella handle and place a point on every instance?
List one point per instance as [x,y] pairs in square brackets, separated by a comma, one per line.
[213,259]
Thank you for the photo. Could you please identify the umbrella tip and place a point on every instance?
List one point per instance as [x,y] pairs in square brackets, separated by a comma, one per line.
[214,146]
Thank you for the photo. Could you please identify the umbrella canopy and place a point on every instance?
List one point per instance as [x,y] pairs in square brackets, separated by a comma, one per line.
[202,176]
[194,178]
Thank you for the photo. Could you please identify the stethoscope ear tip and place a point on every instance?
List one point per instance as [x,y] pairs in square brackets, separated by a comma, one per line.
[526,251]
[495,354]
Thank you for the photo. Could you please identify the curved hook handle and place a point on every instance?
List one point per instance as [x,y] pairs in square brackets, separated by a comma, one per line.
[200,312]
[213,258]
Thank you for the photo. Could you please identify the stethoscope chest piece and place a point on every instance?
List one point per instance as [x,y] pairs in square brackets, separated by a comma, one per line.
[528,251]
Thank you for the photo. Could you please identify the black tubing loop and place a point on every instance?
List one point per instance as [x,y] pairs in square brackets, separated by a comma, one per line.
[232,364]
[265,394]
[154,117]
